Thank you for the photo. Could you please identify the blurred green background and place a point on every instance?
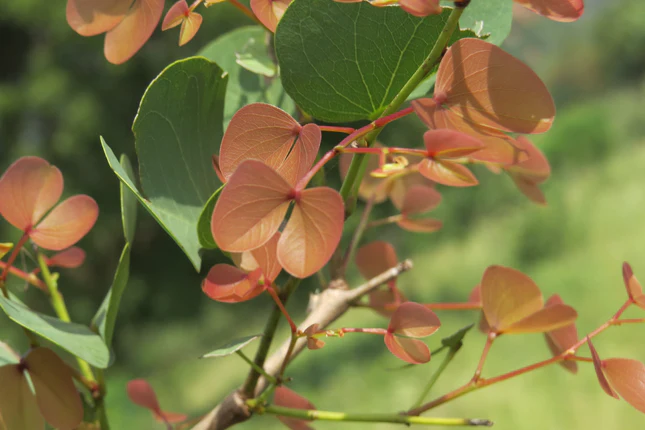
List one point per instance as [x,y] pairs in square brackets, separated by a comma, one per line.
[58,94]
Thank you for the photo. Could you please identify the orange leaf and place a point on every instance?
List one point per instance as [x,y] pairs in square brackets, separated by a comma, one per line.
[175,15]
[421,8]
[269,12]
[28,189]
[370,186]
[549,318]
[141,393]
[56,395]
[536,167]
[313,342]
[375,258]
[18,406]
[447,173]
[411,350]
[413,320]
[557,10]
[313,231]
[264,257]
[385,302]
[303,154]
[290,399]
[71,258]
[261,132]
[124,40]
[634,288]
[228,284]
[628,379]
[447,143]
[419,199]
[66,224]
[92,17]
[189,28]
[562,339]
[400,186]
[488,87]
[424,225]
[250,208]
[508,296]
[598,366]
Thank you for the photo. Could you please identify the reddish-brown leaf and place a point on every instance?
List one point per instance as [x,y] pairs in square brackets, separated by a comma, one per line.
[423,225]
[447,173]
[598,366]
[508,296]
[557,10]
[419,199]
[411,350]
[562,339]
[488,87]
[628,379]
[546,319]
[71,258]
[56,395]
[535,168]
[634,288]
[66,224]
[18,406]
[124,40]
[313,231]
[141,393]
[287,398]
[303,154]
[264,257]
[413,320]
[250,208]
[421,8]
[175,15]
[269,12]
[92,17]
[228,284]
[28,189]
[447,143]
[313,342]
[375,258]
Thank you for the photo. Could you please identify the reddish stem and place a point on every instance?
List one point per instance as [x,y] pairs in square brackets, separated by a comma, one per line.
[276,298]
[629,321]
[489,342]
[396,115]
[334,129]
[29,277]
[379,331]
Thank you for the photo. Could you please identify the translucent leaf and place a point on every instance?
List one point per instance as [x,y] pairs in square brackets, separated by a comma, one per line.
[424,225]
[56,395]
[508,296]
[400,186]
[251,207]
[421,8]
[28,189]
[142,394]
[411,350]
[450,144]
[302,155]
[18,406]
[269,12]
[290,399]
[189,28]
[228,284]
[557,10]
[66,224]
[447,173]
[413,320]
[375,258]
[628,379]
[231,347]
[124,40]
[535,168]
[313,343]
[92,17]
[488,87]
[385,302]
[562,339]
[598,366]
[264,257]
[419,199]
[549,318]
[71,258]
[634,288]
[313,231]
[175,15]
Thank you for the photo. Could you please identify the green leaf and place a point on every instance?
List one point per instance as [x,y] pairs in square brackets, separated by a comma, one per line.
[244,86]
[77,339]
[7,355]
[345,62]
[231,347]
[255,58]
[489,17]
[177,129]
[128,202]
[105,317]
[204,223]
[454,341]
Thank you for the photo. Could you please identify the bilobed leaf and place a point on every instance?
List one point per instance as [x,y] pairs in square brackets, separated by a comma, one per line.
[56,395]
[413,320]
[546,319]
[411,350]
[265,257]
[447,143]
[245,87]
[419,199]
[134,30]
[269,12]
[66,224]
[356,57]
[290,399]
[375,258]
[18,406]
[92,17]
[557,10]
[491,18]
[70,258]
[313,231]
[447,173]
[251,207]
[535,168]
[74,338]
[231,347]
[598,366]
[562,339]
[228,284]
[177,129]
[420,225]
[628,379]
[204,222]
[128,202]
[302,155]
[455,340]
[490,88]
[175,15]
[508,296]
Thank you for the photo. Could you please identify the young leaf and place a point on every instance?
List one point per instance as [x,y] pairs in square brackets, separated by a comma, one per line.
[290,399]
[142,394]
[231,347]
[447,173]
[18,407]
[557,10]
[228,284]
[385,302]
[269,12]
[413,320]
[424,225]
[313,231]
[562,339]
[411,350]
[181,14]
[370,186]
[56,395]
[375,258]
[549,318]
[598,366]
[628,379]
[419,199]
[70,258]
[492,89]
[92,17]
[421,8]
[264,257]
[528,174]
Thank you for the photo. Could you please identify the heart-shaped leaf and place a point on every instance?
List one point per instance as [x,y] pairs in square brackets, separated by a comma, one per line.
[447,173]
[423,225]
[413,320]
[141,393]
[264,258]
[71,258]
[411,350]
[228,284]
[269,12]
[549,318]
[66,224]
[419,199]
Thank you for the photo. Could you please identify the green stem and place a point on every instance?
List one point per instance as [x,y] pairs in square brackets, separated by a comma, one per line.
[257,368]
[435,376]
[58,303]
[312,415]
[358,166]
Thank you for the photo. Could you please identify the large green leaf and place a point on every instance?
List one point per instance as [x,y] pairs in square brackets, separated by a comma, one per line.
[345,62]
[128,202]
[77,339]
[245,87]
[204,223]
[489,17]
[177,129]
